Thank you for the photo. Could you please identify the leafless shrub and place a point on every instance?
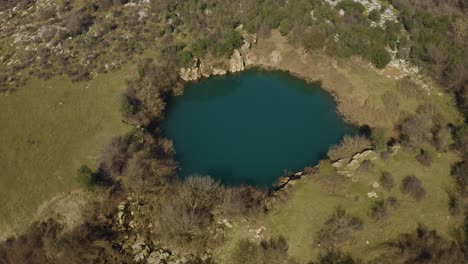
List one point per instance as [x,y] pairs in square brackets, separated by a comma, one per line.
[425,158]
[417,129]
[412,186]
[187,211]
[432,112]
[77,72]
[34,246]
[47,12]
[337,229]
[145,172]
[114,156]
[78,22]
[443,138]
[387,181]
[392,201]
[274,251]
[335,257]
[243,200]
[385,155]
[349,146]
[149,91]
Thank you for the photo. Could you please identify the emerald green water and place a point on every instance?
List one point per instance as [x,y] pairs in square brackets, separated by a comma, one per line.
[251,127]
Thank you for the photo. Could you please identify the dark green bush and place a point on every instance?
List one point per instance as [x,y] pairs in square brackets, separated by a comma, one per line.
[374,15]
[379,139]
[350,6]
[85,177]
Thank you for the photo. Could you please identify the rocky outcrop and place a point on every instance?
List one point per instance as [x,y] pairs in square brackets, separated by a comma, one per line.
[190,74]
[218,71]
[286,180]
[236,63]
[350,168]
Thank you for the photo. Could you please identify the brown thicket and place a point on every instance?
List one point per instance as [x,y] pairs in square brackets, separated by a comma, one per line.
[149,91]
[273,251]
[337,229]
[349,146]
[421,247]
[387,181]
[78,22]
[412,186]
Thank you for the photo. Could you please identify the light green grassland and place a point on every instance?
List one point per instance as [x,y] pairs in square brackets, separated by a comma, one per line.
[47,130]
[310,203]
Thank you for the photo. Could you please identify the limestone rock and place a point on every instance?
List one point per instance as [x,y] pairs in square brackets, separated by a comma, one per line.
[375,185]
[159,256]
[299,174]
[218,71]
[258,233]
[275,57]
[236,63]
[140,250]
[190,74]
[338,163]
[227,223]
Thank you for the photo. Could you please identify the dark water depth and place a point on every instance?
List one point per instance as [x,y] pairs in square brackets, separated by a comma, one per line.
[252,127]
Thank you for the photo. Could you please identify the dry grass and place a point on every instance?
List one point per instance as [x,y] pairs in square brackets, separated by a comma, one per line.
[356,85]
[309,204]
[48,129]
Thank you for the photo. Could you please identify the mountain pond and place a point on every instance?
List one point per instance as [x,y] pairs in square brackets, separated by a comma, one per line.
[252,127]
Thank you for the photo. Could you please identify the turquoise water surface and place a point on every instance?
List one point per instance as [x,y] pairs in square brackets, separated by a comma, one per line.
[252,127]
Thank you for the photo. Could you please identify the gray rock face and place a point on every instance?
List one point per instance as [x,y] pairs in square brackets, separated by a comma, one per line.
[237,62]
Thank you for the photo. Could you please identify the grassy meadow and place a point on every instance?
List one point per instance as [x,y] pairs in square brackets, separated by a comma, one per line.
[47,130]
[310,201]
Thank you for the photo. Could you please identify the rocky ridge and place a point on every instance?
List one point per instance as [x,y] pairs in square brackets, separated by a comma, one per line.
[236,63]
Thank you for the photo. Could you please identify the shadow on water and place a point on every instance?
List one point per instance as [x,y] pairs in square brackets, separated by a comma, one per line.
[211,88]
